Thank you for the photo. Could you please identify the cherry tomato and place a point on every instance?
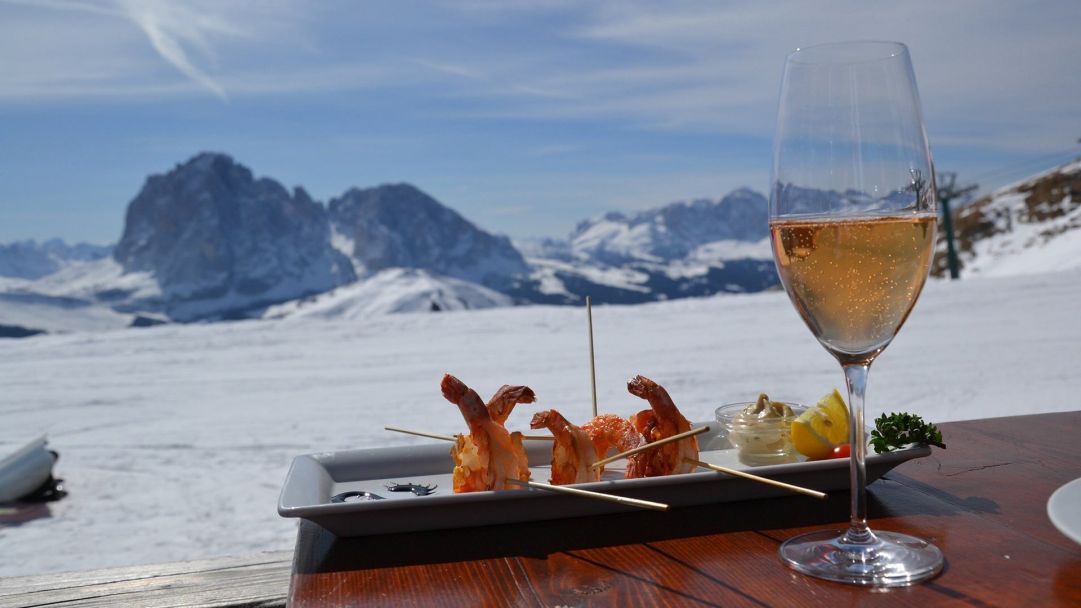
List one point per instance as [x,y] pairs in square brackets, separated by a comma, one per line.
[842,451]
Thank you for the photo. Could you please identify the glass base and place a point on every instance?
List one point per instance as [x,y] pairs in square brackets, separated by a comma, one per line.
[889,560]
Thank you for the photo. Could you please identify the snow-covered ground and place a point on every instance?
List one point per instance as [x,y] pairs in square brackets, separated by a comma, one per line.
[1029,247]
[1023,239]
[174,440]
[390,291]
[58,314]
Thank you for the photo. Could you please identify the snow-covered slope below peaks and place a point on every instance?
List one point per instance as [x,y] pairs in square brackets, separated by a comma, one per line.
[719,251]
[82,296]
[1029,248]
[38,313]
[102,280]
[1033,226]
[395,290]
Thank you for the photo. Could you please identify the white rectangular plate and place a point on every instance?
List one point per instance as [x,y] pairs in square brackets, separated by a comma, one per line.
[314,478]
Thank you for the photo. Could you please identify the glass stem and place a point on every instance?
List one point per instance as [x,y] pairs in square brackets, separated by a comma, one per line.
[856,379]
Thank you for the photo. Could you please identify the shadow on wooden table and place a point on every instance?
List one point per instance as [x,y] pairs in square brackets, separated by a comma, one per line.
[323,552]
[18,513]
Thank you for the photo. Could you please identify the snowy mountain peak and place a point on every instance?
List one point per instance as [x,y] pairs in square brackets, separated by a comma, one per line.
[673,231]
[217,239]
[398,225]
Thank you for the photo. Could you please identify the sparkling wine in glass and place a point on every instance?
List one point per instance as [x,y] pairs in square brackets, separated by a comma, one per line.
[852,217]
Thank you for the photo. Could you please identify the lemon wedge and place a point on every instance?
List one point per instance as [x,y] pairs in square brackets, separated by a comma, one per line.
[821,428]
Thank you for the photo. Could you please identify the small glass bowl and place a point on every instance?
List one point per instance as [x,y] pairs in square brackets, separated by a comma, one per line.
[760,442]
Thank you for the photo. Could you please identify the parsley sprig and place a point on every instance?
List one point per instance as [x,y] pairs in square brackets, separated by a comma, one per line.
[895,431]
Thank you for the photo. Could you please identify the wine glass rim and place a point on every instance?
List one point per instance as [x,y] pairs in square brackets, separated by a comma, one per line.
[858,51]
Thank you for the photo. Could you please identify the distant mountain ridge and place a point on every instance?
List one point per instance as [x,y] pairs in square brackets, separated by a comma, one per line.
[33,260]
[672,231]
[208,240]
[679,250]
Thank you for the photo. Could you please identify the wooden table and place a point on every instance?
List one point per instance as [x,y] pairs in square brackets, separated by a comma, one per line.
[982,501]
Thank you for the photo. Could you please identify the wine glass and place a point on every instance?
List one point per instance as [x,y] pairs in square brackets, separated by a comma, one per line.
[852,217]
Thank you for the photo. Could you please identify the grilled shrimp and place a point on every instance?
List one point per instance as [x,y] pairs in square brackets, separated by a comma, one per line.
[489,455]
[504,400]
[573,453]
[663,420]
[609,430]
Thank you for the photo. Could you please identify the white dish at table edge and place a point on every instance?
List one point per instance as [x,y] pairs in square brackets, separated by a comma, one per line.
[1064,510]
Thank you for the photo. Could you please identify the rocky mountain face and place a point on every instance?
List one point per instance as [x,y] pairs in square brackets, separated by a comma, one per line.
[1031,226]
[217,240]
[399,226]
[33,260]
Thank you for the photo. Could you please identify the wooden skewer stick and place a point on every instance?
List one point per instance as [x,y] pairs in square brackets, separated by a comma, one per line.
[455,437]
[650,446]
[623,500]
[772,482]
[592,366]
[421,433]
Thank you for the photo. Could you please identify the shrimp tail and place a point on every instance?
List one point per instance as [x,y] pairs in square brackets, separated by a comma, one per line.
[551,420]
[658,398]
[453,388]
[503,401]
[467,400]
[641,387]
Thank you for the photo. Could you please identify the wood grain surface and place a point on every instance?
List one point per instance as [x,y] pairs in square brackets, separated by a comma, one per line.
[250,580]
[982,501]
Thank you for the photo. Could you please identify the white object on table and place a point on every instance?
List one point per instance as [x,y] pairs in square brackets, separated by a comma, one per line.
[25,470]
[1064,510]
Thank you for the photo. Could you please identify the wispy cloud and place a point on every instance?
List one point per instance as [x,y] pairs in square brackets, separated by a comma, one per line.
[686,66]
[186,36]
[172,27]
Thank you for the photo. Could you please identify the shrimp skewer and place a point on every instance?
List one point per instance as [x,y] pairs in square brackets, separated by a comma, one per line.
[573,453]
[489,455]
[662,420]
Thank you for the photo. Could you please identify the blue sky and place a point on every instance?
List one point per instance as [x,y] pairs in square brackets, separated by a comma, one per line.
[526,116]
